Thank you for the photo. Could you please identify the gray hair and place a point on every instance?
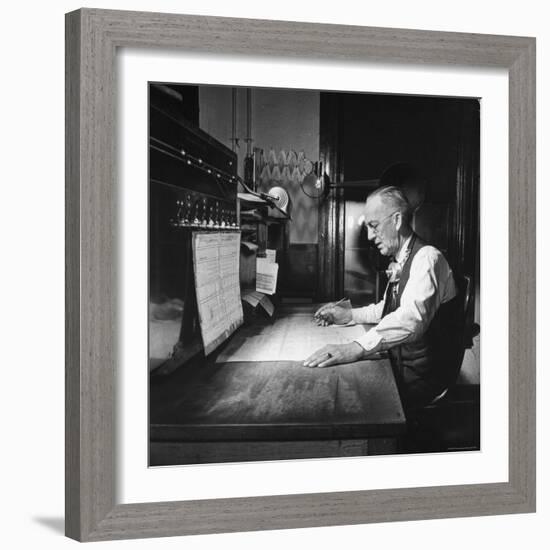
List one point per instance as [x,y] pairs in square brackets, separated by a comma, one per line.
[393,197]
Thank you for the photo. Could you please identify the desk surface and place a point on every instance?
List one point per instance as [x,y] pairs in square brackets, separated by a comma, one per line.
[275,400]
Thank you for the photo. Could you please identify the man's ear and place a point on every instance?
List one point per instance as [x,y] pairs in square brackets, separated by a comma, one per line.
[399,222]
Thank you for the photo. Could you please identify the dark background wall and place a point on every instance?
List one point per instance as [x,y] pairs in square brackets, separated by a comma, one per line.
[380,130]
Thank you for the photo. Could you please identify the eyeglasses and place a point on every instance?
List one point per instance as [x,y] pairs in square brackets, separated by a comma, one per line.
[373,226]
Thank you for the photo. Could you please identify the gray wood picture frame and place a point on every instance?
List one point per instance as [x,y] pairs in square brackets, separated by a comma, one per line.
[92,39]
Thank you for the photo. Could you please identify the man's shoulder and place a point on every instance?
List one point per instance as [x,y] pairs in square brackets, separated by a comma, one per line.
[431,255]
[429,251]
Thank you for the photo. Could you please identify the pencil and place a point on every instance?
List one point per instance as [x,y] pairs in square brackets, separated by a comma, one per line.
[336,304]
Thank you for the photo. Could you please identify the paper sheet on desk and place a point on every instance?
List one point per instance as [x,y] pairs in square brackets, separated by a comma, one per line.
[266,276]
[291,338]
[255,298]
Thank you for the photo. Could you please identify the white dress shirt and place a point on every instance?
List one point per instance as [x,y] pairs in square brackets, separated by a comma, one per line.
[430,284]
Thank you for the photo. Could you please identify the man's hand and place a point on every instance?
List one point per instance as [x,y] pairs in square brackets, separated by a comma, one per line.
[335,354]
[333,314]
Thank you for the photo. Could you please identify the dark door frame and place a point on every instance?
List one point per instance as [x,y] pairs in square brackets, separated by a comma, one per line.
[331,225]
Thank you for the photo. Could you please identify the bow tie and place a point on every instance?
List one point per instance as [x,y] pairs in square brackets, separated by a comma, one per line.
[394,272]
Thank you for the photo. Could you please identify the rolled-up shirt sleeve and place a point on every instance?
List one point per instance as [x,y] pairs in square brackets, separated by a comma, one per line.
[369,314]
[430,284]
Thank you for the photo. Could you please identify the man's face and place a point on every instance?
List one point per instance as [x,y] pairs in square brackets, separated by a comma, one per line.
[381,220]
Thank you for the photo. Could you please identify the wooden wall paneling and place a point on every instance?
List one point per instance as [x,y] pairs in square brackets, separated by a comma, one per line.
[331,210]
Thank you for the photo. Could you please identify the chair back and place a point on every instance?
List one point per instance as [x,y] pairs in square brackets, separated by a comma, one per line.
[463,325]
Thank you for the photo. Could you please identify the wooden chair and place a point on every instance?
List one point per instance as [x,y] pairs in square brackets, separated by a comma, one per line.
[464,333]
[428,428]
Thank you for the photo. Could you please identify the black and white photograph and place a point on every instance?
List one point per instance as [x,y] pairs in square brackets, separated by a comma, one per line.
[314,274]
[285,269]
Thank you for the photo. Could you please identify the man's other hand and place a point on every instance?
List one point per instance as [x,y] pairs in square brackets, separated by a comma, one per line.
[335,354]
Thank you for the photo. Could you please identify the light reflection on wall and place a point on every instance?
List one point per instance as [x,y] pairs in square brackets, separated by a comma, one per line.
[359,273]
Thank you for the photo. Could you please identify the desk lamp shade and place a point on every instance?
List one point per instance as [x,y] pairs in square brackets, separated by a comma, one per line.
[280,197]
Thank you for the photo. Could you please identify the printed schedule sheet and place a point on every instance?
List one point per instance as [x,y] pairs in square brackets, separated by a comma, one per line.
[216,268]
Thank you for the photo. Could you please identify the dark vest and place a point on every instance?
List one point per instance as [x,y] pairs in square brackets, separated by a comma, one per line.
[425,366]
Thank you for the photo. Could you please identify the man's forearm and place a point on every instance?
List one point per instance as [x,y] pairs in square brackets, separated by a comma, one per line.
[370,314]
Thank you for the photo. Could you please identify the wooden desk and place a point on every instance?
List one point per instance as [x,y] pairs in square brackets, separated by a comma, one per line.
[273,410]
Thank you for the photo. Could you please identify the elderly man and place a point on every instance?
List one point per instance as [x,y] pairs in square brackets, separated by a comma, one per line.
[414,321]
